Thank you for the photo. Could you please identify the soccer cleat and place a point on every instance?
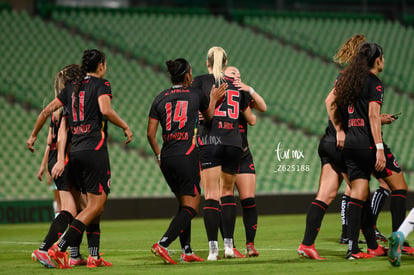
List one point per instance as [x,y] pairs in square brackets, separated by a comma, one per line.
[229,253]
[395,241]
[43,258]
[380,251]
[162,252]
[379,236]
[237,254]
[77,261]
[213,254]
[309,252]
[60,257]
[188,258]
[251,251]
[92,262]
[358,255]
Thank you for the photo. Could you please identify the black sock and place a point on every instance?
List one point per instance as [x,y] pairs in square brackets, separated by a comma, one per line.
[58,226]
[367,225]
[249,218]
[185,239]
[378,201]
[344,207]
[211,219]
[398,208]
[314,218]
[354,223]
[93,233]
[75,247]
[180,222]
[228,216]
[75,230]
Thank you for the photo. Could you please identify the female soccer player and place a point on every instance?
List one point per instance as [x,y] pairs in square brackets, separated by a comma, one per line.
[397,239]
[220,151]
[360,91]
[176,108]
[333,170]
[68,195]
[88,101]
[246,175]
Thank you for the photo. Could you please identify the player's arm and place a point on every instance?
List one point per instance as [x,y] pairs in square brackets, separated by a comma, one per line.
[41,119]
[152,137]
[258,101]
[332,109]
[249,116]
[215,95]
[45,158]
[374,109]
[62,139]
[105,107]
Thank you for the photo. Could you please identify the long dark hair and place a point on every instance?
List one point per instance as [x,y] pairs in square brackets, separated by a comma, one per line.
[90,62]
[351,83]
[177,69]
[62,78]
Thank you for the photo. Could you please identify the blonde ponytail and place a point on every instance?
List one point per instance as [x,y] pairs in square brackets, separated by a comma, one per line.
[217,59]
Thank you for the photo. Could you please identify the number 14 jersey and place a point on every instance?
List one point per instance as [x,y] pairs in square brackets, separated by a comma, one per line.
[177,110]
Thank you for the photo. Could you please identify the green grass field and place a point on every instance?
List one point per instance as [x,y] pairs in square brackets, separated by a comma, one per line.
[127,245]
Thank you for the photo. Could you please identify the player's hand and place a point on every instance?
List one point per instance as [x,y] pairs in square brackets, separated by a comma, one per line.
[380,163]
[128,134]
[30,142]
[40,173]
[241,85]
[58,169]
[217,93]
[387,118]
[340,139]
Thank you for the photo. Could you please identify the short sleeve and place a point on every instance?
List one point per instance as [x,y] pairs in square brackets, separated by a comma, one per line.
[376,91]
[153,113]
[104,88]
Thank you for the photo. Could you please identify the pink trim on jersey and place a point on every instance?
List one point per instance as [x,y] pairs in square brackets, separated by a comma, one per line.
[200,142]
[100,142]
[153,118]
[379,102]
[60,101]
[110,96]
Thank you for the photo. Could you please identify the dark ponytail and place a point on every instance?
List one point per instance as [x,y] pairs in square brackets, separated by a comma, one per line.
[177,69]
[351,83]
[90,62]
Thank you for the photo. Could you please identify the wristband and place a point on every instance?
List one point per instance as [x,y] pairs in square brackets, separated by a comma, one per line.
[251,91]
[380,146]
[159,156]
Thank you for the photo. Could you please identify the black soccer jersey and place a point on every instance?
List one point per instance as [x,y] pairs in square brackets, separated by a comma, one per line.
[359,134]
[87,124]
[243,123]
[223,129]
[177,110]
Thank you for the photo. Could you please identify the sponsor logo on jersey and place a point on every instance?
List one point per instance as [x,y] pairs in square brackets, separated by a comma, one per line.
[350,109]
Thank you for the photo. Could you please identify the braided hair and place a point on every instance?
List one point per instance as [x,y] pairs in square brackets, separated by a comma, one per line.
[177,69]
[351,84]
[90,61]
